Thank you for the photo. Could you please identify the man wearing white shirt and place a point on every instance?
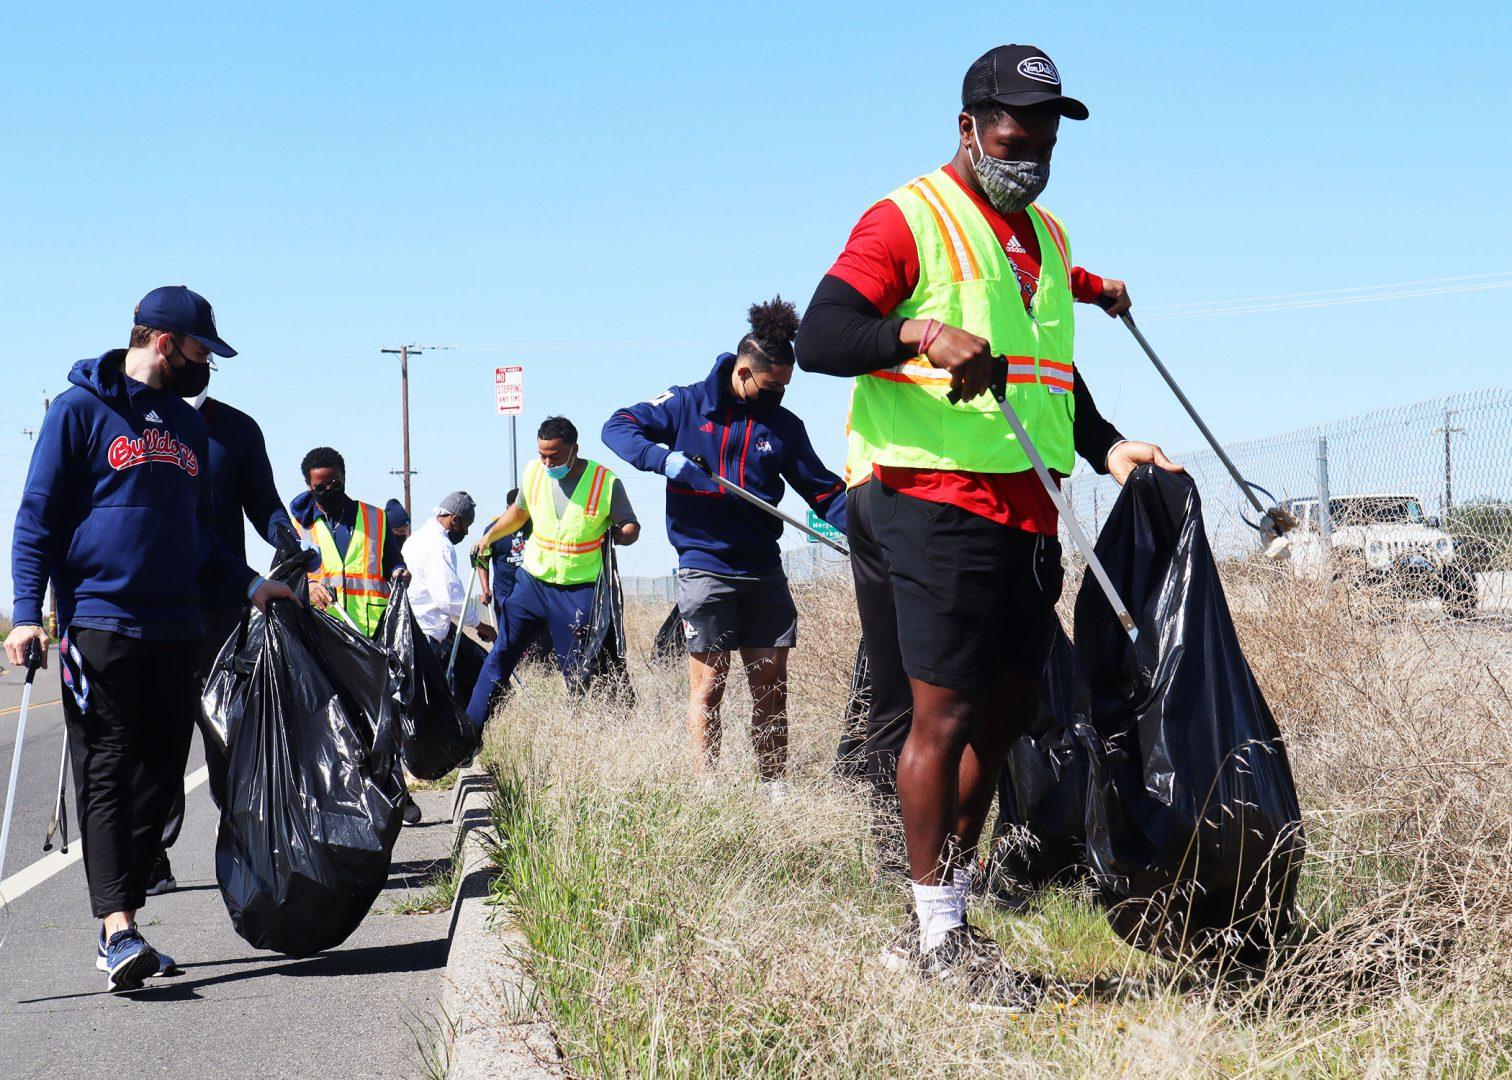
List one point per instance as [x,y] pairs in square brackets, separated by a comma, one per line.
[437,591]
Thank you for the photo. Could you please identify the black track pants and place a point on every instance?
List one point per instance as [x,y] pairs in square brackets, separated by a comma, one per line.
[891,709]
[130,706]
[219,625]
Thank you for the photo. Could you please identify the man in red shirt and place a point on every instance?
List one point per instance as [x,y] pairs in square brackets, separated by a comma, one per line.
[970,559]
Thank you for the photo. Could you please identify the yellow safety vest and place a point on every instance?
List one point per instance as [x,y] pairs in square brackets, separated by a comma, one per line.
[901,416]
[356,581]
[569,550]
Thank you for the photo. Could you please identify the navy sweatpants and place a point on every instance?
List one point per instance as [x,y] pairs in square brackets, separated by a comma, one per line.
[563,610]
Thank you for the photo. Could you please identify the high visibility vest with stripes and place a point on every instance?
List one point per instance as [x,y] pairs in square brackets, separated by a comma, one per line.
[900,416]
[357,580]
[567,550]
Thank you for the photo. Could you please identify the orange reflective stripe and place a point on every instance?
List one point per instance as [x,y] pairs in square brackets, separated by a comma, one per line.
[1022,370]
[952,254]
[564,548]
[955,223]
[1053,228]
[597,489]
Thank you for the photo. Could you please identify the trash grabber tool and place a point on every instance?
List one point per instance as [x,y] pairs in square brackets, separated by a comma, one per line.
[1274,521]
[341,611]
[57,825]
[33,661]
[762,504]
[999,388]
[472,579]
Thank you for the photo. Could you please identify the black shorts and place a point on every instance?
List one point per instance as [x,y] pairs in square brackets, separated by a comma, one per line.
[974,598]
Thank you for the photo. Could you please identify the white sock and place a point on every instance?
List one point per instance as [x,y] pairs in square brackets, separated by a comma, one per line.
[960,884]
[938,913]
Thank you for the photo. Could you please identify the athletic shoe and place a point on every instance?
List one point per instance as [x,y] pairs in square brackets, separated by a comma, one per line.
[775,791]
[129,961]
[411,811]
[968,962]
[166,964]
[162,877]
[898,954]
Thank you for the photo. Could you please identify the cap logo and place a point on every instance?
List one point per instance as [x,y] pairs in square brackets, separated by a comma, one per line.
[1040,69]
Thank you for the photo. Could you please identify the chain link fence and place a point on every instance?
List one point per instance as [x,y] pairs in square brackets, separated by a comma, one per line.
[1427,485]
[1425,488]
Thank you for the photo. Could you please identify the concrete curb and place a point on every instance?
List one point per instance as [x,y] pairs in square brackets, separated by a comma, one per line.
[488,1002]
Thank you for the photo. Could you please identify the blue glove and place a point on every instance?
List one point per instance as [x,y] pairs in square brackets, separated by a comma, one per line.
[678,467]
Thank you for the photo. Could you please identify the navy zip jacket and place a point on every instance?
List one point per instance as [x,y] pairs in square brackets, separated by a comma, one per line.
[118,510]
[711,529]
[241,478]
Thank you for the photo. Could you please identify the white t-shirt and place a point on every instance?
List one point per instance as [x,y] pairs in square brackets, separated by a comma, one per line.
[436,589]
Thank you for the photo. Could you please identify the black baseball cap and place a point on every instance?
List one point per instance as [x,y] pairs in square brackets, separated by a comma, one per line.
[1018,75]
[180,310]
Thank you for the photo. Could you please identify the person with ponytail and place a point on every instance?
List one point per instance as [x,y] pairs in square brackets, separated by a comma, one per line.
[732,592]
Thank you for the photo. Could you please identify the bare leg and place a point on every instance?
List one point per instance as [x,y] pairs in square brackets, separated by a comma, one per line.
[117,921]
[766,669]
[1010,708]
[949,767]
[706,686]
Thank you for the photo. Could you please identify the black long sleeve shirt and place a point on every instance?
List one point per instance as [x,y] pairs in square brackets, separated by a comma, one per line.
[842,333]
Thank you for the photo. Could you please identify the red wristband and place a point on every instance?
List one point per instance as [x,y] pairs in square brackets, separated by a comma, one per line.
[931,331]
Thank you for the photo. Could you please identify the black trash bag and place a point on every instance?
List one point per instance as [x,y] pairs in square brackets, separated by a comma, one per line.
[224,693]
[314,789]
[601,661]
[223,698]
[671,639]
[1040,835]
[469,665]
[1194,833]
[435,735]
[850,756]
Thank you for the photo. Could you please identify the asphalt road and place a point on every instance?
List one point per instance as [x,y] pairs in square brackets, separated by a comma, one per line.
[235,1012]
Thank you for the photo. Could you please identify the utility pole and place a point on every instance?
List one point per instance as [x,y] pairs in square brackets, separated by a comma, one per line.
[1449,431]
[404,352]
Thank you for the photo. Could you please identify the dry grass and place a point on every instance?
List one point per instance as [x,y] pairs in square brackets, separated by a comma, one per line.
[679,929]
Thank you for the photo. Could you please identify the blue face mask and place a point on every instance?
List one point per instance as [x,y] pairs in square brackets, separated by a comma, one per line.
[557,472]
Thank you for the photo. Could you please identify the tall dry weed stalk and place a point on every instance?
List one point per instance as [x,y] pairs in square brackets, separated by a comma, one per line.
[680,928]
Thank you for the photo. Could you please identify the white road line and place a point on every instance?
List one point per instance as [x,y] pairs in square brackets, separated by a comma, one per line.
[13,887]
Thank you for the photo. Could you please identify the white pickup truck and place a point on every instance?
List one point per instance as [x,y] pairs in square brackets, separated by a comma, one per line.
[1381,539]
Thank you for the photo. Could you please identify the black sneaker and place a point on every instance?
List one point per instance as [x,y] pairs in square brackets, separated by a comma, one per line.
[411,811]
[970,963]
[162,877]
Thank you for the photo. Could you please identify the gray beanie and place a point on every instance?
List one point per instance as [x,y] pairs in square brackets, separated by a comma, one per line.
[461,504]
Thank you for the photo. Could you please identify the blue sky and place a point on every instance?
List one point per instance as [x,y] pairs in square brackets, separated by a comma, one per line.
[599,194]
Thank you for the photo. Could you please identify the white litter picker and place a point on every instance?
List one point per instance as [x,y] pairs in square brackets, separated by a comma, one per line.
[1274,522]
[33,662]
[999,389]
[761,504]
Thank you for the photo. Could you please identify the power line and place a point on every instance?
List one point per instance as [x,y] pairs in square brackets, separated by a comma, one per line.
[1334,298]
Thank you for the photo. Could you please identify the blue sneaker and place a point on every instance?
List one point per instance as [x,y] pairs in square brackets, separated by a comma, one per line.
[166,964]
[128,961]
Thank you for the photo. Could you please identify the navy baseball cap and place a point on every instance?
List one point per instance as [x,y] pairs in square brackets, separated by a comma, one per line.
[1018,75]
[180,310]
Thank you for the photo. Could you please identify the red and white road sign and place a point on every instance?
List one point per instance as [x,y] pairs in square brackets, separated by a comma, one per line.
[509,391]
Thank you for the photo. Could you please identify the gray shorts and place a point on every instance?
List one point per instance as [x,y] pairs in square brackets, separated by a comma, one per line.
[722,613]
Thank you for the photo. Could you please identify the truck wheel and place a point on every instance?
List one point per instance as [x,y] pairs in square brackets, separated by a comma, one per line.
[1457,588]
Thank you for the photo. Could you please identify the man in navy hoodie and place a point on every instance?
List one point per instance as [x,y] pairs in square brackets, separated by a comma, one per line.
[118,514]
[731,589]
[241,478]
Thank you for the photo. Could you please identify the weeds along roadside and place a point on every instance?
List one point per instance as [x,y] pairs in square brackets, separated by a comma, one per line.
[678,929]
